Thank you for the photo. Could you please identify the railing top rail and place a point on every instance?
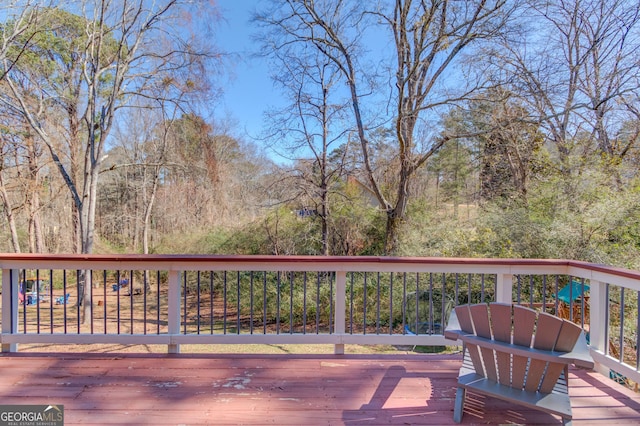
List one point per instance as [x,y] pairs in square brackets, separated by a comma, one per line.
[325,263]
[34,257]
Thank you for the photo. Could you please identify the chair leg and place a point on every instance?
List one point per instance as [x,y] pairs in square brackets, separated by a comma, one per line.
[459,405]
[566,422]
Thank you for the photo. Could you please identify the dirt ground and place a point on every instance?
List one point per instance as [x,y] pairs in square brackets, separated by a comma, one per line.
[51,317]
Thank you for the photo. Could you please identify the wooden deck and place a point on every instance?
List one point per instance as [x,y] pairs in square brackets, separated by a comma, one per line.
[99,389]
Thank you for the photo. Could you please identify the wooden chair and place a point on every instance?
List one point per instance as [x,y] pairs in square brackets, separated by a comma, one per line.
[517,354]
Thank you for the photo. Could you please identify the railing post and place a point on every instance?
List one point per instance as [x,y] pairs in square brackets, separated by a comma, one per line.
[173,305]
[504,288]
[340,311]
[10,306]
[598,321]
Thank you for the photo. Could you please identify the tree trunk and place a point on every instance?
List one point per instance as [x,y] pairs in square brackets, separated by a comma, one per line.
[392,235]
[33,198]
[15,242]
[148,208]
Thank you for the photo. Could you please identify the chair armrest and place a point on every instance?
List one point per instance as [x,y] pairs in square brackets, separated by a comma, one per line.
[581,354]
[452,331]
[523,351]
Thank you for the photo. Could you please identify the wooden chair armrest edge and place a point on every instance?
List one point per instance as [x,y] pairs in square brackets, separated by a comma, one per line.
[581,354]
[579,358]
[452,330]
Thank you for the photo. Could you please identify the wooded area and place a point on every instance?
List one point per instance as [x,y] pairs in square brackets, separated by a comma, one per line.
[436,128]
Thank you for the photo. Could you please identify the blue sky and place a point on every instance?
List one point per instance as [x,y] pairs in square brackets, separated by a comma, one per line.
[250,91]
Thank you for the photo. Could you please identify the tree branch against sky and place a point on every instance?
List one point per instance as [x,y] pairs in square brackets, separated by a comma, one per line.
[575,67]
[313,125]
[20,16]
[427,39]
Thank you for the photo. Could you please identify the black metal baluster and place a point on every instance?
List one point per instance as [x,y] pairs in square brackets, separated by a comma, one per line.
[118,300]
[211,322]
[364,305]
[304,302]
[51,300]
[198,301]
[157,301]
[131,322]
[238,305]
[291,281]
[390,303]
[404,303]
[224,297]
[331,280]
[278,282]
[351,304]
[251,302]
[431,319]
[378,301]
[264,303]
[104,304]
[185,319]
[64,291]
[417,324]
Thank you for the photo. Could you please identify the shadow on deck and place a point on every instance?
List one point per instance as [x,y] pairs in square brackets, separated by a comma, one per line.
[281,389]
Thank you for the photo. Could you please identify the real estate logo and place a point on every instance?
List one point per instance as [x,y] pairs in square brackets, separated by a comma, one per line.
[31,415]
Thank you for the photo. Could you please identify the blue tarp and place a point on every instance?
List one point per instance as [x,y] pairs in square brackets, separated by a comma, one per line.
[573,291]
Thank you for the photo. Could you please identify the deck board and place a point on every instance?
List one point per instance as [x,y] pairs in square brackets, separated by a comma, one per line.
[147,389]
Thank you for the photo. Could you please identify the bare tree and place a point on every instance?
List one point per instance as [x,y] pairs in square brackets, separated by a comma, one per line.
[312,126]
[427,40]
[578,81]
[115,51]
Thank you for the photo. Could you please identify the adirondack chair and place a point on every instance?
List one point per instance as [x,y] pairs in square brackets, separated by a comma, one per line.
[517,354]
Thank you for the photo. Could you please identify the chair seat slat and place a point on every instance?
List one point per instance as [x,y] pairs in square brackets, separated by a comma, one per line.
[534,375]
[503,361]
[554,370]
[476,358]
[519,371]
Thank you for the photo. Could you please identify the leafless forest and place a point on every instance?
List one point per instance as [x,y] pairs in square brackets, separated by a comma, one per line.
[441,128]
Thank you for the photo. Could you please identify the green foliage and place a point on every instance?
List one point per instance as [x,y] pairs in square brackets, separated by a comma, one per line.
[586,215]
[280,232]
[431,231]
[598,221]
[213,241]
[57,50]
[357,225]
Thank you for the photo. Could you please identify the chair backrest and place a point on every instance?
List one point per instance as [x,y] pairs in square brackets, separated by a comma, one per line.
[520,326]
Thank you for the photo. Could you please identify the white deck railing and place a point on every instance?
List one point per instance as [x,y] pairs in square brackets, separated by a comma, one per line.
[298,299]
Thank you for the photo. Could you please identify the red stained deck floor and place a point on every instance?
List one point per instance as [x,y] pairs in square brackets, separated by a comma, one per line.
[99,389]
